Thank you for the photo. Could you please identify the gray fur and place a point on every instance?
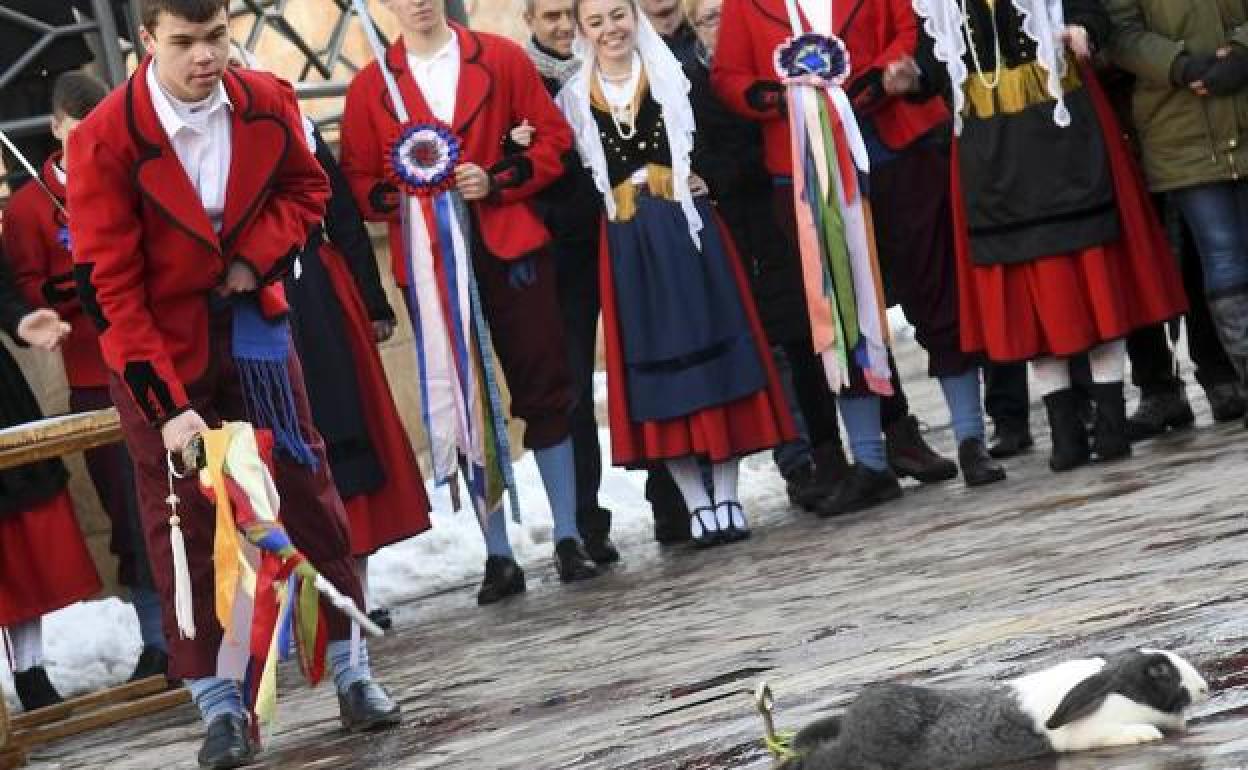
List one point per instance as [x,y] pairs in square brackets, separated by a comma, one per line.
[903,727]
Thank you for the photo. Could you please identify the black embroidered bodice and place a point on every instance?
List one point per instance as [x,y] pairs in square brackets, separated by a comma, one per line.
[647,146]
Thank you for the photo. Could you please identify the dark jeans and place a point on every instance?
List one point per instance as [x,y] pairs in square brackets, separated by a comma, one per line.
[576,265]
[1153,367]
[1218,217]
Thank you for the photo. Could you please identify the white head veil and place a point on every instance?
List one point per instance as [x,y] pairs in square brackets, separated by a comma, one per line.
[670,89]
[1043,22]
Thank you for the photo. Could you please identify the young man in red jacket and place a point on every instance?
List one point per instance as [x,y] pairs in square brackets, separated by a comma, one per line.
[908,148]
[195,191]
[36,239]
[480,86]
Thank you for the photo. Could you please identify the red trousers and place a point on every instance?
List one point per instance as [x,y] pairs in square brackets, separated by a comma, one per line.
[311,509]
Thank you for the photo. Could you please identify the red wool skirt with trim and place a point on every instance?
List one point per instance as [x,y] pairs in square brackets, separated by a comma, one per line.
[742,427]
[44,563]
[1066,304]
[400,508]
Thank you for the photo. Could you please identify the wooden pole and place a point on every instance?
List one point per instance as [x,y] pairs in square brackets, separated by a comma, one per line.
[11,755]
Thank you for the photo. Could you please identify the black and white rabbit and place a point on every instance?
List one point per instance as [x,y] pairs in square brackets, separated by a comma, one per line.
[1120,700]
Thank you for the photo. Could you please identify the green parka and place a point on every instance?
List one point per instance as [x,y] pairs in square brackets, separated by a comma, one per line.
[1186,139]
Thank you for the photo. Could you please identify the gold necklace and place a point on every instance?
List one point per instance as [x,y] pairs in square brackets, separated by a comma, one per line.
[996,47]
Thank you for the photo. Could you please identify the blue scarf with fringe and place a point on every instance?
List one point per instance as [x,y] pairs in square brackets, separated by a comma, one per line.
[261,351]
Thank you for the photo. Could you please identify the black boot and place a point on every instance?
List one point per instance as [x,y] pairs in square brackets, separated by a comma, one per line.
[34,689]
[863,489]
[1010,439]
[228,743]
[1109,434]
[1226,401]
[381,616]
[831,466]
[153,661]
[1159,412]
[1230,318]
[602,550]
[365,706]
[503,578]
[572,563]
[1069,436]
[909,455]
[978,467]
[803,488]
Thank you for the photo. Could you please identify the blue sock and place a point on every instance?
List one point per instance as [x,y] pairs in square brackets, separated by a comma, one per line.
[345,674]
[558,468]
[861,415]
[147,609]
[965,406]
[216,697]
[495,531]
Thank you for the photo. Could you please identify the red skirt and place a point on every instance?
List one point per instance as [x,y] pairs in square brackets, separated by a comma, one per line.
[400,508]
[44,563]
[1066,304]
[759,421]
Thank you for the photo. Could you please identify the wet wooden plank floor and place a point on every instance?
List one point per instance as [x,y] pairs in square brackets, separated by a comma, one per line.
[647,667]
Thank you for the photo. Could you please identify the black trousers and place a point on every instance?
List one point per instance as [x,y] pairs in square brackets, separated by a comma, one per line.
[576,267]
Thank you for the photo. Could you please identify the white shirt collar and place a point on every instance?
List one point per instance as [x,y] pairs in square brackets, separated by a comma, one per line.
[448,51]
[176,115]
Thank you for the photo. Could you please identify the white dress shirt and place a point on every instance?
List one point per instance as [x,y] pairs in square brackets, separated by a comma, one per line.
[200,135]
[818,15]
[437,76]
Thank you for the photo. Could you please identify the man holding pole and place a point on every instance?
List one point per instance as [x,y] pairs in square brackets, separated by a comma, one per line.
[195,193]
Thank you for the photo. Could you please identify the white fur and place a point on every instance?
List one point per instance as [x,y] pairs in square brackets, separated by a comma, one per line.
[1118,722]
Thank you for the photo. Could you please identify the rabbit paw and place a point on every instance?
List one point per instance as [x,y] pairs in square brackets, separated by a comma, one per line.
[1131,735]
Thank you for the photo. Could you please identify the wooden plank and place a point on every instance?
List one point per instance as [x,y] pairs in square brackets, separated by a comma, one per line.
[57,436]
[12,757]
[126,692]
[104,717]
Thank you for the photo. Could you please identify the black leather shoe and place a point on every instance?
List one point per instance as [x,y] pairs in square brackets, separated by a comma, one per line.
[978,467]
[863,489]
[1010,441]
[572,563]
[152,662]
[503,578]
[1226,401]
[34,689]
[227,744]
[735,527]
[706,533]
[909,455]
[1158,413]
[365,706]
[602,550]
[802,487]
[381,616]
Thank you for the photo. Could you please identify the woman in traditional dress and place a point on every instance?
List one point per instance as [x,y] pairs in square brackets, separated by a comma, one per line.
[688,371]
[1059,249]
[339,314]
[44,563]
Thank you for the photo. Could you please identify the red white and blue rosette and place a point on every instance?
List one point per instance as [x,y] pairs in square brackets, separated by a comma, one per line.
[813,60]
[422,158]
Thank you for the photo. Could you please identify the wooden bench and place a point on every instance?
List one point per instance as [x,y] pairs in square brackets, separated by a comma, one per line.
[42,440]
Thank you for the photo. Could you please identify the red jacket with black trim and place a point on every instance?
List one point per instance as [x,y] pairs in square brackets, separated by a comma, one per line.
[146,257]
[44,270]
[498,88]
[876,32]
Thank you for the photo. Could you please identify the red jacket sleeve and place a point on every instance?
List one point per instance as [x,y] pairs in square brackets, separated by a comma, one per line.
[733,68]
[280,228]
[520,176]
[108,264]
[27,256]
[363,152]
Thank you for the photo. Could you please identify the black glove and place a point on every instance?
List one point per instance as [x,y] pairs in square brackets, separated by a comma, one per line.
[765,96]
[384,197]
[1229,74]
[1189,68]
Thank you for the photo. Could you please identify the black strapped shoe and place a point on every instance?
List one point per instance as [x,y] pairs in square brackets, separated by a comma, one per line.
[227,744]
[366,706]
[733,533]
[503,578]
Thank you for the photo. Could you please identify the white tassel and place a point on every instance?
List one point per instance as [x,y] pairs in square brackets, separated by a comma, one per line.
[183,602]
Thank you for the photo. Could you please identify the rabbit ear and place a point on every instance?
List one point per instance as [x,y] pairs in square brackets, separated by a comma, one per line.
[1083,699]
